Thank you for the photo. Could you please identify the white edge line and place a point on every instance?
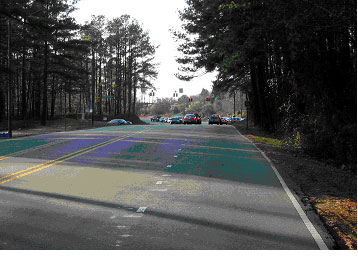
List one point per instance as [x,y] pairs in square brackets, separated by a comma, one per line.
[316,236]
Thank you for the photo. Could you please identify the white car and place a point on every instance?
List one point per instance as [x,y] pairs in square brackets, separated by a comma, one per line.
[117,122]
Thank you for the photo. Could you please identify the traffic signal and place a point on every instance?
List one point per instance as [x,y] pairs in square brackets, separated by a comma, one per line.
[97,99]
[207,98]
[190,98]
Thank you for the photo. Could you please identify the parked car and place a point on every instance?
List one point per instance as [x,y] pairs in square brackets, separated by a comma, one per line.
[176,120]
[167,120]
[215,119]
[189,119]
[117,122]
[129,123]
[225,120]
[237,119]
[155,118]
[162,119]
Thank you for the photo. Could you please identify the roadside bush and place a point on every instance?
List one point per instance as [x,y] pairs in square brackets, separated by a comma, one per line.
[324,142]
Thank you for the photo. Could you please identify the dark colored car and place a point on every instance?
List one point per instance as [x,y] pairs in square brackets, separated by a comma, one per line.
[225,120]
[215,119]
[117,122]
[176,120]
[155,118]
[189,119]
[198,118]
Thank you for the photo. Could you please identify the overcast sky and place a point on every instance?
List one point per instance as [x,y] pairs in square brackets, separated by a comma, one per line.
[157,16]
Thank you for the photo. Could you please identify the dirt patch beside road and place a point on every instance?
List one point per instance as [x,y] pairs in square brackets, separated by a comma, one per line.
[327,191]
[31,127]
[22,128]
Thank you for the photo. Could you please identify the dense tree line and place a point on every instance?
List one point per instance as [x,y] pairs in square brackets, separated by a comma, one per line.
[54,66]
[295,60]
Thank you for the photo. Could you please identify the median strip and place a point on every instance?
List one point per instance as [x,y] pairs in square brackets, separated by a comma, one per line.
[50,163]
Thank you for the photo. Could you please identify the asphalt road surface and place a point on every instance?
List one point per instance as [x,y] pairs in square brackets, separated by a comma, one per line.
[156,186]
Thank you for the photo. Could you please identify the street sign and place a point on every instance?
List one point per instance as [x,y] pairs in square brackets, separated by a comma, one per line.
[107,97]
[212,95]
[180,90]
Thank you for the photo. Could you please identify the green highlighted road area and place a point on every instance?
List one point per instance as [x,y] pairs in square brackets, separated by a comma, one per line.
[14,146]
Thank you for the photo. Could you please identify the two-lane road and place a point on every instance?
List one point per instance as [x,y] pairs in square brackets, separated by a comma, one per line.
[156,186]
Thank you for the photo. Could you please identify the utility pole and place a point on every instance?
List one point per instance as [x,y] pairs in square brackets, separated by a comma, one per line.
[9,95]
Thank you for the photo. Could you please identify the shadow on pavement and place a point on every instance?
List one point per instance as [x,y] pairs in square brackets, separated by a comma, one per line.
[285,240]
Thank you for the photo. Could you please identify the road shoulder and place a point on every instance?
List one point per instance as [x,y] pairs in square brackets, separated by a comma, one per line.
[310,181]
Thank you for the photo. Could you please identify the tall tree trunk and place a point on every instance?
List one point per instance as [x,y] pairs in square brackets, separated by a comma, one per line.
[110,88]
[70,99]
[93,83]
[38,98]
[44,89]
[135,88]
[100,88]
[18,90]
[125,73]
[53,95]
[130,77]
[118,81]
[23,85]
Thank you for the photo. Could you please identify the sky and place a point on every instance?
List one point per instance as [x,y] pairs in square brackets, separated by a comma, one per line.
[156,16]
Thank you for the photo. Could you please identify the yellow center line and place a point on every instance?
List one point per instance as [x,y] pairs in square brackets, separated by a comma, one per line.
[51,161]
[61,159]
